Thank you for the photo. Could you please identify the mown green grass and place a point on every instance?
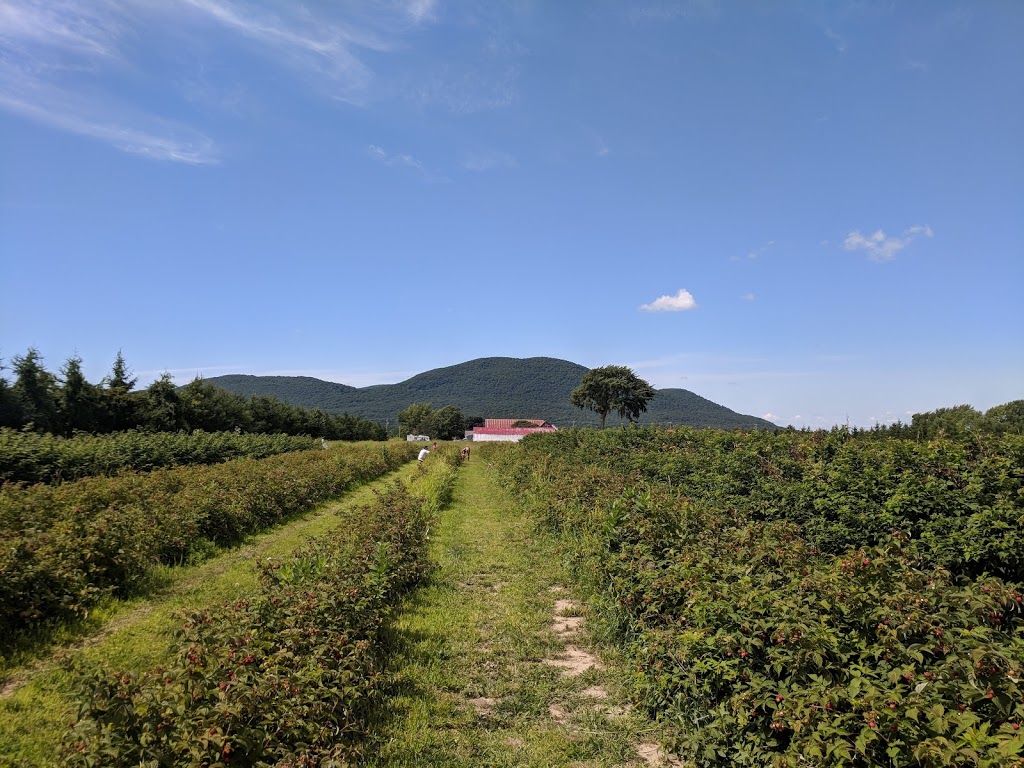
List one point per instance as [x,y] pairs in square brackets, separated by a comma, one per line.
[134,635]
[470,685]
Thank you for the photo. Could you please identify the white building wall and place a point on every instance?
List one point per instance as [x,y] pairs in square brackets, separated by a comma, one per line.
[497,438]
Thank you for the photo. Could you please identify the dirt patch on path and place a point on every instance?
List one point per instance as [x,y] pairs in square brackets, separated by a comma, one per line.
[568,625]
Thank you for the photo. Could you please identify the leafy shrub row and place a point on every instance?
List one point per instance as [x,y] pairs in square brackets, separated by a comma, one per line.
[31,457]
[960,501]
[285,678]
[62,547]
[764,651]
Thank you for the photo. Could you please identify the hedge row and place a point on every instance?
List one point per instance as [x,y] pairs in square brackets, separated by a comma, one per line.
[286,678]
[960,502]
[31,457]
[63,547]
[764,651]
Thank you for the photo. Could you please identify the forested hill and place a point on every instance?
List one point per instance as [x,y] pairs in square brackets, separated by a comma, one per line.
[491,387]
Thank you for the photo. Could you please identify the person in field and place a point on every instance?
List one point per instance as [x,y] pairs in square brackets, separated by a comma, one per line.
[465,453]
[423,454]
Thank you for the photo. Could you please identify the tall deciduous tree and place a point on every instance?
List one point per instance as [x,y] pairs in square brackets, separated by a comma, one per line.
[612,388]
[447,423]
[414,419]
[1006,418]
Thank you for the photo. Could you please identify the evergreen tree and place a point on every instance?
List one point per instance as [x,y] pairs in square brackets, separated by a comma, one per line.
[12,414]
[213,409]
[36,389]
[162,409]
[118,404]
[78,399]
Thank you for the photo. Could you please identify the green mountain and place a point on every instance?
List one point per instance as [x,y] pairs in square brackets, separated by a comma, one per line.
[491,387]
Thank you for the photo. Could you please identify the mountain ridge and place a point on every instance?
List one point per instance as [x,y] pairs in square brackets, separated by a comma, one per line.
[491,387]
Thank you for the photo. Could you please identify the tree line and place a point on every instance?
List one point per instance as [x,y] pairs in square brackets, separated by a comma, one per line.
[65,403]
[446,423]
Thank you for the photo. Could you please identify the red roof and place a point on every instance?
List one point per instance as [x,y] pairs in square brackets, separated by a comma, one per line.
[507,423]
[510,430]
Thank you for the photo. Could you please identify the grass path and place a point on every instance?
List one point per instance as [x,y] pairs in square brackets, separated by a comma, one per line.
[492,666]
[35,704]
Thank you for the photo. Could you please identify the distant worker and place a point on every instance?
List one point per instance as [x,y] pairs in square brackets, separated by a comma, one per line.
[465,453]
[323,443]
[423,454]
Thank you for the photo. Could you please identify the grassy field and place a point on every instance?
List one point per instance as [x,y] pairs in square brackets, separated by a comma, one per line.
[35,701]
[494,666]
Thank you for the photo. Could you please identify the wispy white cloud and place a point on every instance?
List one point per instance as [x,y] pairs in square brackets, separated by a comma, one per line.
[60,60]
[880,247]
[407,161]
[748,296]
[836,39]
[681,302]
[138,134]
[402,160]
[52,48]
[88,29]
[754,253]
[420,11]
[316,45]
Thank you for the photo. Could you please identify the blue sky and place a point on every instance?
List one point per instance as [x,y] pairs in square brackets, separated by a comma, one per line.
[808,211]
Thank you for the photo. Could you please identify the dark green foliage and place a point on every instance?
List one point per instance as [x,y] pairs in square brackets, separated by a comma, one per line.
[12,412]
[286,678]
[496,387]
[760,648]
[119,408]
[962,506]
[162,409]
[74,405]
[1006,419]
[447,423]
[31,457]
[612,388]
[36,390]
[415,420]
[61,547]
[79,401]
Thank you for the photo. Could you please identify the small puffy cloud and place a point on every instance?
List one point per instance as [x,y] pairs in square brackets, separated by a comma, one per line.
[769,416]
[681,302]
[748,296]
[881,247]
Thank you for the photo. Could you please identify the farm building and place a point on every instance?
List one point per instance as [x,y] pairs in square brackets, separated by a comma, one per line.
[502,430]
